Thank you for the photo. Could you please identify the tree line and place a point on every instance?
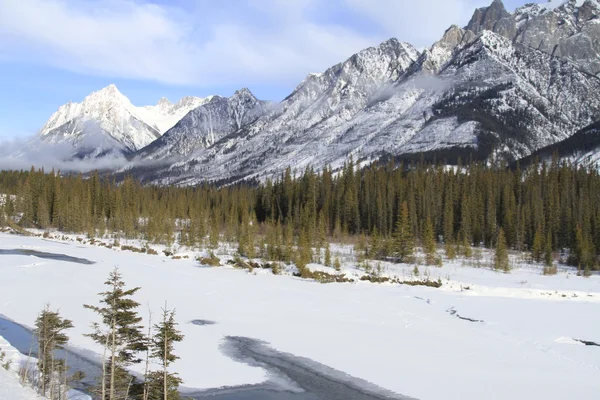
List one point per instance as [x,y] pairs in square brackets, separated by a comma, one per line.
[545,208]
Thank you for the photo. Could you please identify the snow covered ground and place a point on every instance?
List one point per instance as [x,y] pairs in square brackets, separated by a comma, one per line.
[12,363]
[481,335]
[10,389]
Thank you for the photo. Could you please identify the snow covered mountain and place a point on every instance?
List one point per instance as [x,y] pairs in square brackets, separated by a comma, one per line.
[583,148]
[106,120]
[318,106]
[206,124]
[473,93]
[165,114]
[506,85]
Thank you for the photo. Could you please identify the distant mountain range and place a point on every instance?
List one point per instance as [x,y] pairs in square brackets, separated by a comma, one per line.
[508,85]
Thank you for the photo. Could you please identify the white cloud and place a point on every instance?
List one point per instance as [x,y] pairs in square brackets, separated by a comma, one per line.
[22,154]
[420,22]
[210,46]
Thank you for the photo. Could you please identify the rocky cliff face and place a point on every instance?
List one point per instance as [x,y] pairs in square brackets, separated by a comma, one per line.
[494,18]
[570,30]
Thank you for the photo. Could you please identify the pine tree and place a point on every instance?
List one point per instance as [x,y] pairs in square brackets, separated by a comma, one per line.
[375,247]
[163,385]
[450,250]
[50,335]
[465,227]
[337,265]
[2,216]
[403,240]
[448,218]
[327,255]
[43,217]
[583,253]
[429,247]
[501,257]
[548,259]
[214,234]
[122,336]
[549,267]
[538,247]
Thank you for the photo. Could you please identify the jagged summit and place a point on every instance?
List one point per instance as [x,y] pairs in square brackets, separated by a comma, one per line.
[243,92]
[494,18]
[566,29]
[164,102]
[206,124]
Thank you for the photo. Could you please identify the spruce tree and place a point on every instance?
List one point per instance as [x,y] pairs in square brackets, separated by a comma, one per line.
[164,385]
[375,247]
[450,250]
[337,265]
[549,267]
[548,259]
[328,255]
[214,234]
[50,335]
[538,247]
[429,247]
[43,217]
[465,227]
[121,336]
[2,216]
[501,256]
[403,238]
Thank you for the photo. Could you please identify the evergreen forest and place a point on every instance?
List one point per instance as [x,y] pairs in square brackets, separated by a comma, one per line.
[546,208]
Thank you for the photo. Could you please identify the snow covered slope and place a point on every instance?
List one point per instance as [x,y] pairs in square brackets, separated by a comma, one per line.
[583,148]
[165,114]
[108,119]
[206,124]
[11,389]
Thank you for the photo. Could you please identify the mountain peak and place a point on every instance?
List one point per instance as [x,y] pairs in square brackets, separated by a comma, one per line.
[245,92]
[390,42]
[163,102]
[493,18]
[109,93]
[112,89]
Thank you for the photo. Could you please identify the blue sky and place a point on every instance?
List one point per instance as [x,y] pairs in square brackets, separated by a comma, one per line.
[55,51]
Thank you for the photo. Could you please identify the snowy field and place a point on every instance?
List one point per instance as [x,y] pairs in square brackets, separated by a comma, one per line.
[481,335]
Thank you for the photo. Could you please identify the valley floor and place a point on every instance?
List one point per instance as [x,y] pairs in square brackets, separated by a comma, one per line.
[481,335]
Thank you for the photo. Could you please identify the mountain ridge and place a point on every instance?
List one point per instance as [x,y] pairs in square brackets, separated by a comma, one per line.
[491,88]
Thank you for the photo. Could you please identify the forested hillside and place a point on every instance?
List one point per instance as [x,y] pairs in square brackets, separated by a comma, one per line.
[549,210]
